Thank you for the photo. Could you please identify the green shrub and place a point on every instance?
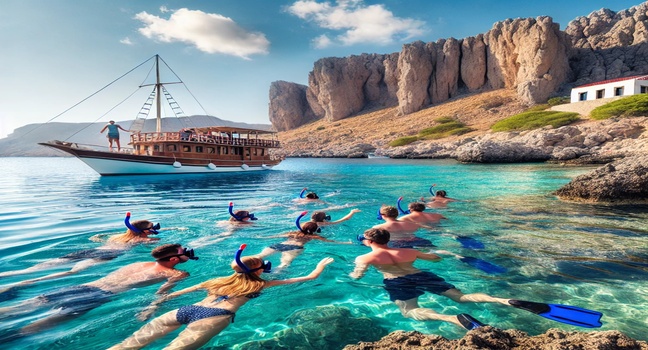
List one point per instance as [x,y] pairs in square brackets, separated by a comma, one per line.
[626,107]
[441,128]
[534,120]
[402,141]
[561,100]
[442,120]
[538,108]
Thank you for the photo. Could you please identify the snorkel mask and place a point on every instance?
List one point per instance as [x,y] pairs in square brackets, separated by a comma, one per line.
[399,207]
[154,229]
[299,225]
[189,253]
[239,218]
[266,266]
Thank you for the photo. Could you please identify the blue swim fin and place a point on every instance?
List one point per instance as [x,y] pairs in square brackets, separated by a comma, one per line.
[469,242]
[469,322]
[562,313]
[482,265]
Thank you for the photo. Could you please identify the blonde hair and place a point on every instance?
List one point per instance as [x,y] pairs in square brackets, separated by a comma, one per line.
[130,235]
[239,283]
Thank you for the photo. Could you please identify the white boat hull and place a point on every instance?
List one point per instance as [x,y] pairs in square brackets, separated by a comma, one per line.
[120,167]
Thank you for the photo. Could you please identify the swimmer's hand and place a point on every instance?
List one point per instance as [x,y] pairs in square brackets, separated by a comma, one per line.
[320,267]
[146,313]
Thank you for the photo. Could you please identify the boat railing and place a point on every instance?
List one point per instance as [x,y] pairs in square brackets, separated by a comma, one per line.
[81,146]
[202,138]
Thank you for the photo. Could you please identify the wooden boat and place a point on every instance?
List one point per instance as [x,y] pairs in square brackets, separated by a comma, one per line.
[212,149]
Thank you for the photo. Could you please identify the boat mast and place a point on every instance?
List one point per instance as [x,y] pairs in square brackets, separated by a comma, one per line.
[158,87]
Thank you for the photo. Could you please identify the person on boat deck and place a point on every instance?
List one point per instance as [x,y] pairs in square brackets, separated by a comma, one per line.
[113,134]
[70,302]
[405,284]
[294,245]
[116,245]
[322,219]
[402,230]
[208,317]
[418,216]
[440,200]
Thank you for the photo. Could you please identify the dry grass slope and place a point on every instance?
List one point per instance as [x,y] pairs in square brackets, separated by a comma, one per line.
[477,111]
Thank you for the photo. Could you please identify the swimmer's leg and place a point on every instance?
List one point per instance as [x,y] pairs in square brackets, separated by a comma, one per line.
[38,267]
[266,252]
[288,257]
[458,296]
[411,309]
[80,266]
[199,333]
[151,331]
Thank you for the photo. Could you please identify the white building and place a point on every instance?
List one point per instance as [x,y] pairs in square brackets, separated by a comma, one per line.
[610,88]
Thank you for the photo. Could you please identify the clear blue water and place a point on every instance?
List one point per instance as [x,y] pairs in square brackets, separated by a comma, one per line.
[592,256]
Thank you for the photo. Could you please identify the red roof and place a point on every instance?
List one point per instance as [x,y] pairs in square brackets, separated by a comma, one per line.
[638,77]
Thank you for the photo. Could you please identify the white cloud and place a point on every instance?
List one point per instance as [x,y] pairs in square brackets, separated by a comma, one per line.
[208,32]
[126,41]
[358,22]
[322,42]
[164,9]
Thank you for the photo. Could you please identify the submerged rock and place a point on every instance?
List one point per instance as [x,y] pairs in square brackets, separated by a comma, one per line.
[499,339]
[621,181]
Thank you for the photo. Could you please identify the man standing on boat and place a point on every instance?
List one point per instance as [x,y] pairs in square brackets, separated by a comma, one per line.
[113,134]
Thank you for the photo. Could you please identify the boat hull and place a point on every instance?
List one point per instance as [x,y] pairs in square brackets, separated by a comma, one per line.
[112,164]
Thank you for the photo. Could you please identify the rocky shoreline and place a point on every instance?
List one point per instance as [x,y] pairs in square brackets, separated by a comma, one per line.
[499,339]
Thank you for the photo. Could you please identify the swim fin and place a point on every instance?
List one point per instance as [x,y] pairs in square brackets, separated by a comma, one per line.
[562,313]
[482,265]
[469,242]
[469,322]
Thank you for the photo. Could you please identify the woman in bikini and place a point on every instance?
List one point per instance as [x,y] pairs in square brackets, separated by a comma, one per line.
[207,318]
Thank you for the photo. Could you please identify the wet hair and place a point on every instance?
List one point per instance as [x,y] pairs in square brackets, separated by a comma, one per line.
[241,214]
[318,216]
[131,235]
[389,211]
[237,284]
[309,228]
[165,250]
[378,235]
[416,206]
[441,193]
[312,195]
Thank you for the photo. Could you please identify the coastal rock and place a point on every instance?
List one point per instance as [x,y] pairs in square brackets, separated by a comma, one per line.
[473,62]
[621,181]
[290,108]
[498,339]
[326,327]
[415,64]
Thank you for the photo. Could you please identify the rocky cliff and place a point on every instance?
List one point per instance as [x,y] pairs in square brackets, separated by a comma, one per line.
[529,55]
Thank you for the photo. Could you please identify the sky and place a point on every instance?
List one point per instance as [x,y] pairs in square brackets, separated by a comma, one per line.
[56,53]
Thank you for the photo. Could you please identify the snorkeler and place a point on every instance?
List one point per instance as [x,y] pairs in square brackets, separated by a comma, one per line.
[294,246]
[322,219]
[405,284]
[240,216]
[70,302]
[439,199]
[137,232]
[207,318]
[418,216]
[403,230]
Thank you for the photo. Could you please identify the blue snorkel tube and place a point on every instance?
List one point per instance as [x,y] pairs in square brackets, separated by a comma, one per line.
[399,207]
[379,216]
[432,191]
[135,229]
[301,194]
[267,265]
[299,218]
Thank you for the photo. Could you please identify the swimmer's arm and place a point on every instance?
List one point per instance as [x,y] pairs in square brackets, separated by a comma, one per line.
[428,256]
[100,237]
[311,276]
[150,309]
[171,282]
[359,270]
[344,218]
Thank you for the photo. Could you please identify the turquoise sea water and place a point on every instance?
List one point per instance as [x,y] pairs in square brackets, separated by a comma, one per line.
[592,256]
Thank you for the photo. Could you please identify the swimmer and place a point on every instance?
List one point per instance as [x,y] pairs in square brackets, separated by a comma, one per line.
[70,302]
[137,232]
[207,318]
[322,219]
[417,215]
[403,231]
[405,284]
[294,246]
[440,199]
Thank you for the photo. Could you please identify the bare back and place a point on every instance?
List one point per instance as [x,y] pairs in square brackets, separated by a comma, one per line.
[136,275]
[399,230]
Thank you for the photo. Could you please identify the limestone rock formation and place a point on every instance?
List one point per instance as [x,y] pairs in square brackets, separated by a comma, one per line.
[531,55]
[498,339]
[290,108]
[622,181]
